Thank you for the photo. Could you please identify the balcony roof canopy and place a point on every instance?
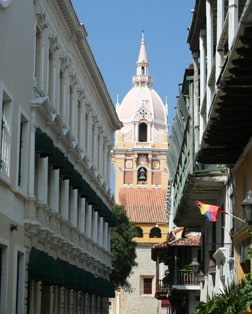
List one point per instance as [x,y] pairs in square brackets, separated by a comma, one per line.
[203,187]
[229,126]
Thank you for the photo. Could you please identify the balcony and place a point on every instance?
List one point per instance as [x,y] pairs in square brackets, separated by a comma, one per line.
[184,280]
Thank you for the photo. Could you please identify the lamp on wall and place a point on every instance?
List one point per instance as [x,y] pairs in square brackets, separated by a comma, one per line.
[247,207]
[195,266]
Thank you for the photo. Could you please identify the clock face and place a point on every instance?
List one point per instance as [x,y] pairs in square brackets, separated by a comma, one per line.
[4,3]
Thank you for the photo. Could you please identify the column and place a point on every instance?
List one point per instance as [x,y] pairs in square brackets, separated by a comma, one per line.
[95,147]
[100,231]
[89,136]
[64,89]
[105,236]
[64,199]
[220,23]
[105,161]
[194,101]
[209,30]
[100,163]
[108,167]
[42,75]
[202,47]
[31,177]
[82,214]
[81,118]
[232,22]
[89,221]
[94,226]
[86,138]
[73,207]
[42,180]
[73,106]
[54,190]
[109,238]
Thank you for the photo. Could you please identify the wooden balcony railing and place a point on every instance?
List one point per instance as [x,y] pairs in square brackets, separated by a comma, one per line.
[183,277]
[186,277]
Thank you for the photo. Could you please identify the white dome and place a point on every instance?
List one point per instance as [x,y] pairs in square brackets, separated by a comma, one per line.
[139,99]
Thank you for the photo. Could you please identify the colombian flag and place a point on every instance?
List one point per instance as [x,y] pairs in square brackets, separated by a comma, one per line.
[210,211]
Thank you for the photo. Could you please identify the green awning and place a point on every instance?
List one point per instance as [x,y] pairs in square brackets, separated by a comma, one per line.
[45,268]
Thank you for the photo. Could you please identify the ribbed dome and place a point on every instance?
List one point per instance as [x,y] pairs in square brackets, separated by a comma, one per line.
[142,102]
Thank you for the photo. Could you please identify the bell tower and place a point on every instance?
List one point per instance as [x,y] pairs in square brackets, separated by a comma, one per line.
[140,152]
[141,179]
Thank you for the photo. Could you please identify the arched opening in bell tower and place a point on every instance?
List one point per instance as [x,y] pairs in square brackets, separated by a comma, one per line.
[142,175]
[142,132]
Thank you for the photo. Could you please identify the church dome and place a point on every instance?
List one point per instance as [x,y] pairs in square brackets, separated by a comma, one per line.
[142,97]
[142,103]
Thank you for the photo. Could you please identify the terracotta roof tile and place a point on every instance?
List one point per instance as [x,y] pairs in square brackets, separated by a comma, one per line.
[189,239]
[144,205]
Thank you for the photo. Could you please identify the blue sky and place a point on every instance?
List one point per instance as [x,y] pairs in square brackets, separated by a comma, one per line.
[114,30]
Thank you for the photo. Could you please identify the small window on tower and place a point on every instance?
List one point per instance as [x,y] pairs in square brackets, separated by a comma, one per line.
[142,132]
[142,70]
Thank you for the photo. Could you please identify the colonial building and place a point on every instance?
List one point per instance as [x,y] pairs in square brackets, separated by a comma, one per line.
[210,148]
[57,124]
[141,179]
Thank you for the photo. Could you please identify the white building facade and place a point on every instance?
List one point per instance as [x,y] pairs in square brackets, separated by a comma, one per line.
[56,135]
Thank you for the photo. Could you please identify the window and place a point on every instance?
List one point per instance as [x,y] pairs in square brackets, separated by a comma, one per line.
[61,93]
[5,133]
[146,285]
[155,233]
[38,56]
[51,77]
[142,132]
[23,153]
[20,269]
[139,232]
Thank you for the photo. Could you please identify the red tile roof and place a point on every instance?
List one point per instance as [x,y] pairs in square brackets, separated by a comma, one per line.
[188,240]
[144,205]
[178,238]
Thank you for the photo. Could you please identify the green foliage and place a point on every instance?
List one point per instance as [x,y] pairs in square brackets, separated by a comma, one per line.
[234,299]
[123,249]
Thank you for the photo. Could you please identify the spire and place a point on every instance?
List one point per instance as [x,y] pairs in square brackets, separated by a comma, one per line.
[142,67]
[142,58]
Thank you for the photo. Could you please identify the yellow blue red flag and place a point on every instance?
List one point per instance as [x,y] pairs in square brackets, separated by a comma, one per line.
[210,211]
